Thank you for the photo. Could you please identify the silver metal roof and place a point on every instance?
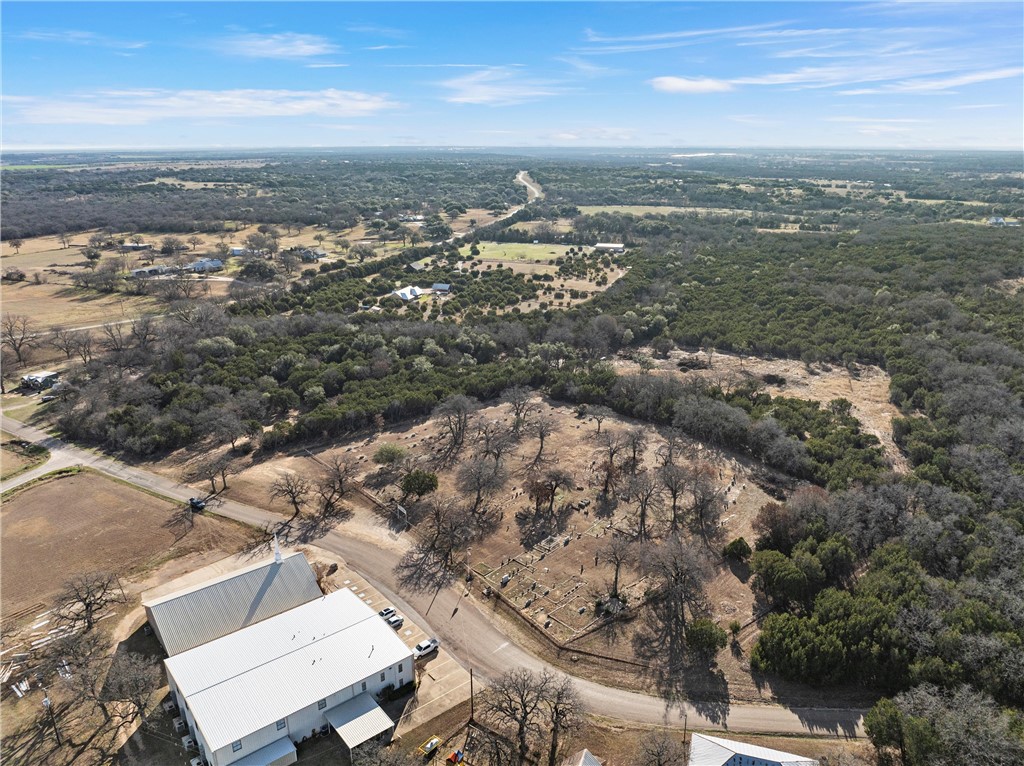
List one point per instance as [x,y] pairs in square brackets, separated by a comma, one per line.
[195,616]
[261,674]
[268,754]
[358,720]
[706,750]
[583,758]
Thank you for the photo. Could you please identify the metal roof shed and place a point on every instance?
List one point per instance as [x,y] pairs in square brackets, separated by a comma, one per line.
[714,751]
[358,720]
[277,753]
[195,616]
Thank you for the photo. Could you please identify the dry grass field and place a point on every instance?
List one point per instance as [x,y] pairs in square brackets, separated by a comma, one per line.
[60,305]
[85,522]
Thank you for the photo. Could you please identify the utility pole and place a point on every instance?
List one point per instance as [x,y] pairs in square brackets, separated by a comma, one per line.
[49,709]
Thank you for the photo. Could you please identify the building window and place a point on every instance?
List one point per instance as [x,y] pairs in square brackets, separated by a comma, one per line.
[399,667]
[236,746]
[281,724]
[364,685]
[382,677]
[321,704]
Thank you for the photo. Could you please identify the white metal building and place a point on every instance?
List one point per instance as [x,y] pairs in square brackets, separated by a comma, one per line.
[194,616]
[714,751]
[250,696]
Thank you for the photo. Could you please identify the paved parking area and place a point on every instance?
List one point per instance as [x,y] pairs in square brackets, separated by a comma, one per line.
[443,682]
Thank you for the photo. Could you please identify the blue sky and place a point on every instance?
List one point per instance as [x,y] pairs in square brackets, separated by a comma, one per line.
[809,74]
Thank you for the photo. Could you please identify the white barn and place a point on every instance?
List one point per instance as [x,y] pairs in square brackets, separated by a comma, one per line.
[196,615]
[715,751]
[250,696]
[612,247]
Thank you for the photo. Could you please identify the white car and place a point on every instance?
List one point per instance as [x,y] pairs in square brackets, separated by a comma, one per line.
[395,621]
[425,647]
[387,612]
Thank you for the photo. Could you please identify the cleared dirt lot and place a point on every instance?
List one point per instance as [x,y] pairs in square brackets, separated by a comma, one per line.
[86,522]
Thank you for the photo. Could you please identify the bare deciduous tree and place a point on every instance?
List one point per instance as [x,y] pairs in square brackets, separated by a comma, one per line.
[481,477]
[453,422]
[18,333]
[540,428]
[82,599]
[131,682]
[564,711]
[519,400]
[514,702]
[610,444]
[645,491]
[619,552]
[293,488]
[659,749]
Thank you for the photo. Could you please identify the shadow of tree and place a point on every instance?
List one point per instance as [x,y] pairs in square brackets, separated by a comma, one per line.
[535,526]
[679,675]
[422,570]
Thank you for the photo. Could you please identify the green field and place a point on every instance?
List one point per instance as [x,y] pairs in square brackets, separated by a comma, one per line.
[510,251]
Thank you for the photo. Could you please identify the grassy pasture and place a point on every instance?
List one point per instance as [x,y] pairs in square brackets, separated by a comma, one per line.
[511,251]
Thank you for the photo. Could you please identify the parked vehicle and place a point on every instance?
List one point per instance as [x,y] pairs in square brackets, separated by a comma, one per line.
[396,621]
[388,611]
[196,503]
[425,647]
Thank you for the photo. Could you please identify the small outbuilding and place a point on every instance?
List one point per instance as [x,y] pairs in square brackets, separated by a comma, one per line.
[706,750]
[610,247]
[441,288]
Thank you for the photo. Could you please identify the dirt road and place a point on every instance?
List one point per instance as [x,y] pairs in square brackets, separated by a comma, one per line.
[533,190]
[459,621]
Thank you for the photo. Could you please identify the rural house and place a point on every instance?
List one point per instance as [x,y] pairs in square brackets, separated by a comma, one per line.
[611,247]
[40,380]
[408,293]
[714,751]
[248,698]
[441,288]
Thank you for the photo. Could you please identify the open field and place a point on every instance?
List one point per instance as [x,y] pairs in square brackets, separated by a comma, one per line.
[641,210]
[57,305]
[74,524]
[17,457]
[511,251]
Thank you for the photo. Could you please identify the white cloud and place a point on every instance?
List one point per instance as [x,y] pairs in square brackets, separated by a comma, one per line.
[325,65]
[600,135]
[498,86]
[79,37]
[689,85]
[594,37]
[374,29]
[874,120]
[939,85]
[283,45]
[140,107]
[978,106]
[384,47]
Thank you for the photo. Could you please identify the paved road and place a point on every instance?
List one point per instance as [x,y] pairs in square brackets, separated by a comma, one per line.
[461,621]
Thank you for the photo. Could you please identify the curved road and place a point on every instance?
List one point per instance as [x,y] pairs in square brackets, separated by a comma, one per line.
[458,619]
[533,190]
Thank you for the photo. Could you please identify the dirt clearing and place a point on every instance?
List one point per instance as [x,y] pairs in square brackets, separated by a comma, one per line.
[84,522]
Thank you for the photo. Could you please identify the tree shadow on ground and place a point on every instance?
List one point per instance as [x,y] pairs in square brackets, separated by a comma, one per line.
[536,526]
[606,505]
[679,674]
[421,570]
